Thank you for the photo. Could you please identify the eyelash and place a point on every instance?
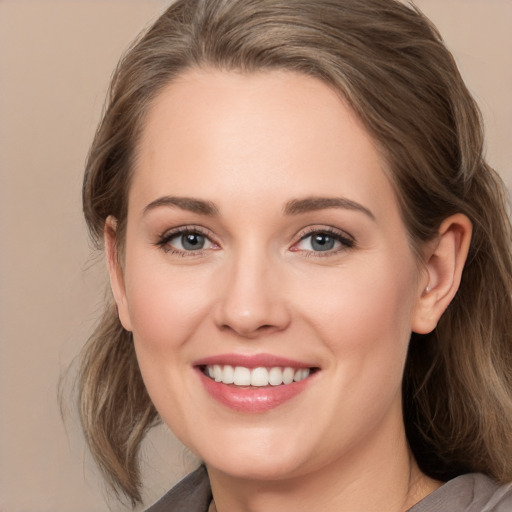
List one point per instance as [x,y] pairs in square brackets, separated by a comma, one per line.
[346,241]
[165,238]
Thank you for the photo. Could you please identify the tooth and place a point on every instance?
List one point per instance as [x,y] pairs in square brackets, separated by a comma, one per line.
[275,376]
[228,374]
[288,374]
[259,377]
[301,374]
[242,376]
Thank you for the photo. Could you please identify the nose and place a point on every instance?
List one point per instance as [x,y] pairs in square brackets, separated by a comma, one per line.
[252,298]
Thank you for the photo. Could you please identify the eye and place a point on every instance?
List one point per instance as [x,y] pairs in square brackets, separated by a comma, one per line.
[185,241]
[323,241]
[189,241]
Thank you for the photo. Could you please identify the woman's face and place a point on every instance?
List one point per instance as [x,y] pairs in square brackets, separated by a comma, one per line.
[264,242]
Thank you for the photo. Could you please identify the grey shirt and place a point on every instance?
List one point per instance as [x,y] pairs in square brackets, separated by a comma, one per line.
[473,492]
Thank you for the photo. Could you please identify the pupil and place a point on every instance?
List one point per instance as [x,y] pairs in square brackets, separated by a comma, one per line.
[192,241]
[322,242]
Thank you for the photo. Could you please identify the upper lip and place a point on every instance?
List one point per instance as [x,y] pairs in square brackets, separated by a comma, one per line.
[251,361]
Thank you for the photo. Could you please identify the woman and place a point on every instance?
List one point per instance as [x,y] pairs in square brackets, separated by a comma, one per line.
[310,264]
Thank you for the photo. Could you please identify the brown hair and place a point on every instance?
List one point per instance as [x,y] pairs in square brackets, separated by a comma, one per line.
[390,65]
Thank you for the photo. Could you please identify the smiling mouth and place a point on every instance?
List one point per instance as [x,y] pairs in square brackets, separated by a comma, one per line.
[256,377]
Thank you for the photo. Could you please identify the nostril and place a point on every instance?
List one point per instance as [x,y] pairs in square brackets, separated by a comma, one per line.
[248,331]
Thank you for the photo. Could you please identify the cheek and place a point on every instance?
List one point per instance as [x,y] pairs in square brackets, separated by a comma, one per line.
[164,306]
[364,314]
[366,327]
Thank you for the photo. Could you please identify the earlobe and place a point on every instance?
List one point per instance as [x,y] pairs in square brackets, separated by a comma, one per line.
[115,271]
[445,261]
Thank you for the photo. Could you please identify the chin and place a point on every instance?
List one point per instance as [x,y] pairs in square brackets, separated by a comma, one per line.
[264,469]
[256,461]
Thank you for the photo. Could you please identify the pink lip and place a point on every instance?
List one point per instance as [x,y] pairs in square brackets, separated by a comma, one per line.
[251,399]
[251,361]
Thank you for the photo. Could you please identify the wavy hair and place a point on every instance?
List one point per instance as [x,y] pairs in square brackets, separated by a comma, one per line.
[389,63]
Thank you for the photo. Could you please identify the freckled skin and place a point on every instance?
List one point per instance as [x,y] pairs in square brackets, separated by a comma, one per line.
[249,144]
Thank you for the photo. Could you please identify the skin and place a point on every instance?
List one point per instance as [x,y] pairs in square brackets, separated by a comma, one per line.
[248,145]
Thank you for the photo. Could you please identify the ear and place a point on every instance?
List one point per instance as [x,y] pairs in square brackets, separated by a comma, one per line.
[115,271]
[445,259]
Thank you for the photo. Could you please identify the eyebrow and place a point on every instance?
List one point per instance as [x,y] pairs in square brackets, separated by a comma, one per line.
[184,203]
[309,204]
[293,207]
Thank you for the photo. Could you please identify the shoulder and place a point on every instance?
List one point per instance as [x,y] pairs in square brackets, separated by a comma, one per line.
[473,492]
[192,494]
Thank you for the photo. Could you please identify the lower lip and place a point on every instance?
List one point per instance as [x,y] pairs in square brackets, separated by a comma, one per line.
[252,399]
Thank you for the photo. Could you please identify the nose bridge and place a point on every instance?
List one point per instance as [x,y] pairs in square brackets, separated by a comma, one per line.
[252,301]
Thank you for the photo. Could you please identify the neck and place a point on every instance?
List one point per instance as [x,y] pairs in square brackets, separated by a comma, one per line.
[375,476]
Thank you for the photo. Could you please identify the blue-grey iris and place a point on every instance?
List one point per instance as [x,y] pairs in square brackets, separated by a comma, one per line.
[322,242]
[192,241]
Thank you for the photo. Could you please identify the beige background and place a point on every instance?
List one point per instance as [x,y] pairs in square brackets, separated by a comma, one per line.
[55,61]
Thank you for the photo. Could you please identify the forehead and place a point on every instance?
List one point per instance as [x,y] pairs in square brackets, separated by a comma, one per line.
[264,133]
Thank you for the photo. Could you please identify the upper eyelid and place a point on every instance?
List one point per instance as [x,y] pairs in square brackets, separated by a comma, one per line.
[305,232]
[179,230]
[163,240]
[344,239]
